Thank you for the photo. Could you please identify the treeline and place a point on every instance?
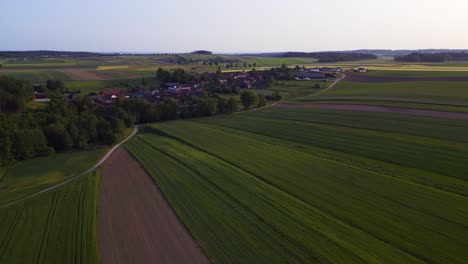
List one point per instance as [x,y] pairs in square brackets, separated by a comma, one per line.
[62,125]
[14,94]
[203,52]
[80,124]
[433,57]
[48,53]
[330,56]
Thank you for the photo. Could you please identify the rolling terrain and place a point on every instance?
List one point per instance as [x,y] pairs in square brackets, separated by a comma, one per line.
[323,193]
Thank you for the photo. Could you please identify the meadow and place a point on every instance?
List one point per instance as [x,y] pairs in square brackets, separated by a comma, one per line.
[38,76]
[27,177]
[59,226]
[451,93]
[275,186]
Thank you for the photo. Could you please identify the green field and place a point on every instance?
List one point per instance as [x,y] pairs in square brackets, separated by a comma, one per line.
[409,73]
[27,177]
[388,103]
[454,93]
[303,186]
[37,76]
[86,87]
[59,226]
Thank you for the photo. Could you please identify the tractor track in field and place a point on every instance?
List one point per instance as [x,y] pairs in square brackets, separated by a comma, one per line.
[380,109]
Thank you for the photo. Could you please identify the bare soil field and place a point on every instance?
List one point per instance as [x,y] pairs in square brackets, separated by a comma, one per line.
[377,79]
[382,109]
[136,222]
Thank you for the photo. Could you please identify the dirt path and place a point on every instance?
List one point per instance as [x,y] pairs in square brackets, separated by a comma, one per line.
[136,223]
[101,161]
[382,109]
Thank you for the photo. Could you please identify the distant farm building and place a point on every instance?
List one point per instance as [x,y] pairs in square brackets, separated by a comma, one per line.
[309,75]
[41,97]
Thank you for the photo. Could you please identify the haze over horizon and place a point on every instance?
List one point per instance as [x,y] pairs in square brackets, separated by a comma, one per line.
[232,27]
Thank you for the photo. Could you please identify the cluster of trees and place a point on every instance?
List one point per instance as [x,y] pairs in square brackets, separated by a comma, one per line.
[331,56]
[61,126]
[14,94]
[281,73]
[433,57]
[179,75]
[250,99]
[194,106]
[142,111]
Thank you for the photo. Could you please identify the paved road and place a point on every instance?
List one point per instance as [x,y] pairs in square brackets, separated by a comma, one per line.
[108,154]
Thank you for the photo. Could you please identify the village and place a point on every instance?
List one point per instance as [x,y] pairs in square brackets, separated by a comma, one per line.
[209,83]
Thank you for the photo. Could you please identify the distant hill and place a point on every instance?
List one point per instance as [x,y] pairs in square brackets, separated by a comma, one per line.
[331,56]
[203,52]
[393,53]
[433,57]
[376,52]
[49,53]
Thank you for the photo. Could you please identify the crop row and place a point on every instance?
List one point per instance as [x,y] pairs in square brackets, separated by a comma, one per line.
[391,214]
[55,227]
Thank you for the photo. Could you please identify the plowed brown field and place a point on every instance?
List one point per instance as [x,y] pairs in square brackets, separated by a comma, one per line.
[136,222]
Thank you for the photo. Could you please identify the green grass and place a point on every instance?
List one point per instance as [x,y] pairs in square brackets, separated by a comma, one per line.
[418,73]
[433,92]
[260,187]
[37,76]
[389,103]
[86,87]
[59,226]
[27,177]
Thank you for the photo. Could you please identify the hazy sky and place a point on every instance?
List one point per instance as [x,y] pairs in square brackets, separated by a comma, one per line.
[232,26]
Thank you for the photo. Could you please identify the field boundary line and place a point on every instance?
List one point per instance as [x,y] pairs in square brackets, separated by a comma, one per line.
[99,163]
[368,129]
[314,207]
[349,165]
[234,199]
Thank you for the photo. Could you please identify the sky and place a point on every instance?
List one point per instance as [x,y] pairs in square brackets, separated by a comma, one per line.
[238,26]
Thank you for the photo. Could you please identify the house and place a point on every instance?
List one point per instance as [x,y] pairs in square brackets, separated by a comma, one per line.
[179,90]
[246,84]
[309,75]
[41,97]
[240,76]
[172,85]
[111,92]
[361,69]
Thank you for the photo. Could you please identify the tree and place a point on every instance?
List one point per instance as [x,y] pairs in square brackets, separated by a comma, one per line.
[55,85]
[262,101]
[219,72]
[58,137]
[169,110]
[6,147]
[254,64]
[231,105]
[14,94]
[249,99]
[163,75]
